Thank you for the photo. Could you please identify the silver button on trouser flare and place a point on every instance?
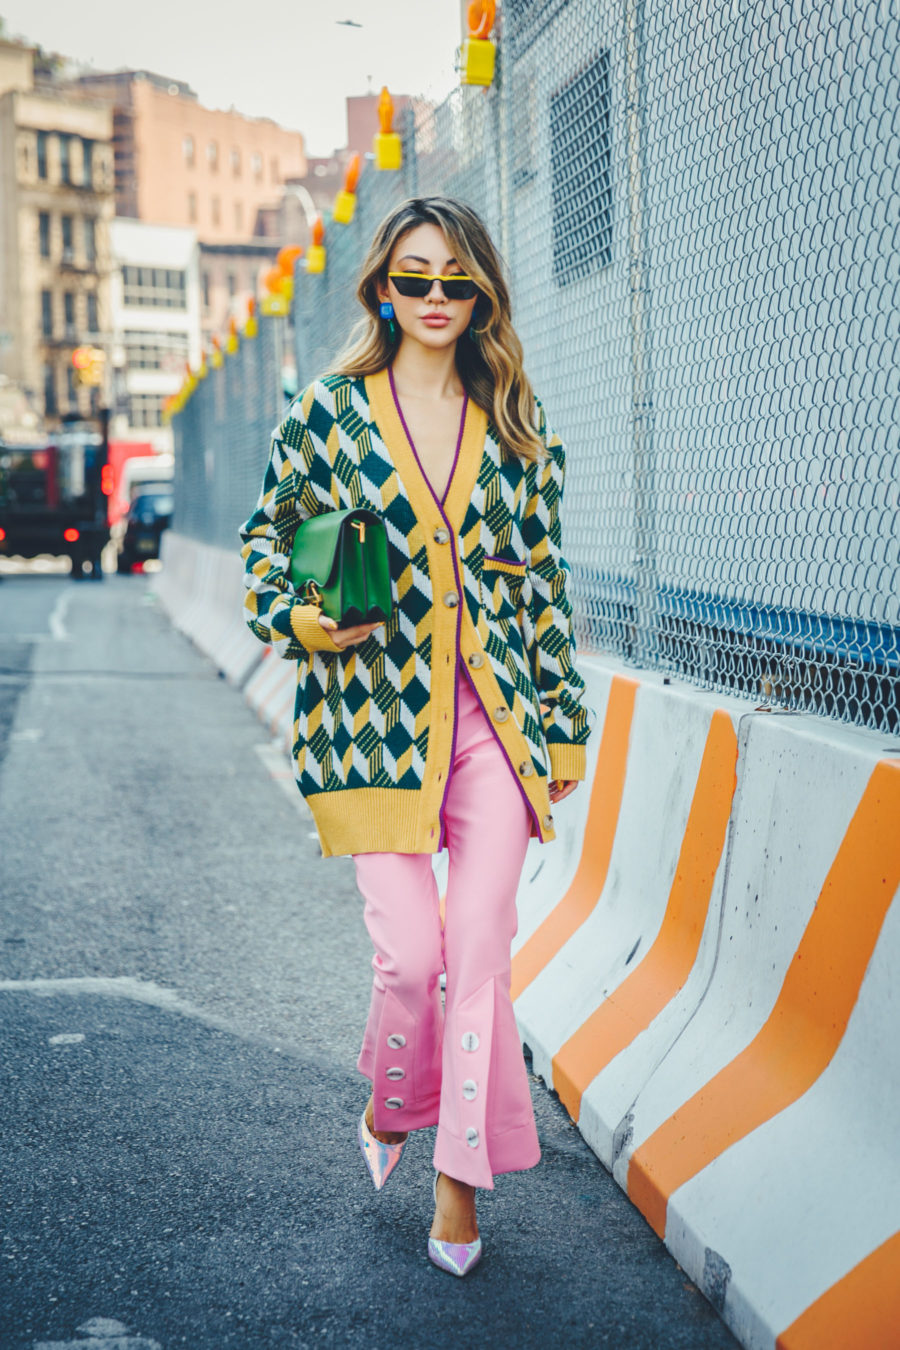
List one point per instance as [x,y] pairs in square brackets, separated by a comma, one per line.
[526,769]
[441,536]
[501,714]
[451,599]
[476,660]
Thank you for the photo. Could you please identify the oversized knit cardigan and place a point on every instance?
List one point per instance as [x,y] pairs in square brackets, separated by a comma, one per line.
[477,578]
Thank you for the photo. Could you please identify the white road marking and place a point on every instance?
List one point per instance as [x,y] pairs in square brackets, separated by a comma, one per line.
[58,616]
[102,1326]
[117,986]
[27,734]
[66,1038]
[102,1343]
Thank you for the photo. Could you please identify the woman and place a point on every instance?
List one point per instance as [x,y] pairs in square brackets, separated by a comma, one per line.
[457,722]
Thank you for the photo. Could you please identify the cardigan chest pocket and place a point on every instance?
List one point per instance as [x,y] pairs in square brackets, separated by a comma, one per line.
[501,586]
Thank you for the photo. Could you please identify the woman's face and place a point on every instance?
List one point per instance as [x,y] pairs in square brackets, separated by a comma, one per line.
[434,321]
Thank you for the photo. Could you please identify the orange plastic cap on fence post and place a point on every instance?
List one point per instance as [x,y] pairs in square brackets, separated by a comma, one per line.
[232,342]
[251,324]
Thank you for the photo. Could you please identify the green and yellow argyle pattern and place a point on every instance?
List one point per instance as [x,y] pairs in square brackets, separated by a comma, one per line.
[370,746]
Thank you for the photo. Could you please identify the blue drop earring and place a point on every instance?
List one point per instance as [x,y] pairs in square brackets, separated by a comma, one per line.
[386,310]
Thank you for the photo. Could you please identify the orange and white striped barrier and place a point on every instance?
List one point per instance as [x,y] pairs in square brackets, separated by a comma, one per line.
[271,691]
[707,981]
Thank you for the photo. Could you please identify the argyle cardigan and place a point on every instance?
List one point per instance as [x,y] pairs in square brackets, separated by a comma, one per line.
[375,724]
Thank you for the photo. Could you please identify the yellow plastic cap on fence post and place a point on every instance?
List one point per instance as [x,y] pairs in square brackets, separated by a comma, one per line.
[478,55]
[388,147]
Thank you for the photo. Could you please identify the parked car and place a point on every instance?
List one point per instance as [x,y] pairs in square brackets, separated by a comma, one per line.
[148,515]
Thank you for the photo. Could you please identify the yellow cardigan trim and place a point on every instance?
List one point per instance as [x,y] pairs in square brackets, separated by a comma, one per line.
[375,820]
[444,651]
[568,762]
[308,631]
[507,731]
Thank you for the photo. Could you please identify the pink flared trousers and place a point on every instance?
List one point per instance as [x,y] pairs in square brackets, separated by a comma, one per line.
[460,1067]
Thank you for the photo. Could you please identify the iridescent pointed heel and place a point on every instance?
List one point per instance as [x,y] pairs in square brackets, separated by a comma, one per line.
[381,1159]
[457,1258]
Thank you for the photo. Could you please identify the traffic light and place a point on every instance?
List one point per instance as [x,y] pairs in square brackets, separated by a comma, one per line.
[89,363]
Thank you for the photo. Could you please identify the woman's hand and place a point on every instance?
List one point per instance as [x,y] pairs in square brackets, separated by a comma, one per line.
[348,637]
[560,788]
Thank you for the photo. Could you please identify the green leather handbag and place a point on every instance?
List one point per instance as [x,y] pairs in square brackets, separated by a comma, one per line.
[339,562]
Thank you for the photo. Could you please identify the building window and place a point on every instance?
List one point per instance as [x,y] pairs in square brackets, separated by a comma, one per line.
[44,233]
[212,155]
[232,284]
[235,162]
[65,160]
[192,207]
[256,165]
[92,317]
[204,282]
[239,216]
[273,169]
[145,410]
[187,146]
[581,173]
[47,313]
[87,162]
[71,387]
[69,310]
[68,248]
[42,154]
[50,403]
[156,351]
[90,240]
[155,287]
[215,211]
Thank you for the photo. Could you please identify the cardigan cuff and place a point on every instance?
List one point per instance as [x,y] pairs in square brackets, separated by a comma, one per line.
[567,762]
[309,632]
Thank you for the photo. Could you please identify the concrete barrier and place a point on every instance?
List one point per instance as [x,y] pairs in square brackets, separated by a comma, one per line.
[705,972]
[202,589]
[709,989]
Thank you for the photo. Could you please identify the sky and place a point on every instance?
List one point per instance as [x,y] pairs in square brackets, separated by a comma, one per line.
[267,58]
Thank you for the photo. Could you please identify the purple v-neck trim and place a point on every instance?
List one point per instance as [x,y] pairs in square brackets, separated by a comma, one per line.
[412,445]
[459,583]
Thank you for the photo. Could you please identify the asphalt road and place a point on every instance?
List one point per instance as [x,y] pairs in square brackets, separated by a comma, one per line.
[183,986]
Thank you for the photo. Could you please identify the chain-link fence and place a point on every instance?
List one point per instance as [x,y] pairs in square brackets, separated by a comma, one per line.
[222,438]
[698,205]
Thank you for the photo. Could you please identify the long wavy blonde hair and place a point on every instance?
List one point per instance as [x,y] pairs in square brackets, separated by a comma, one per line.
[489,363]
